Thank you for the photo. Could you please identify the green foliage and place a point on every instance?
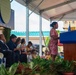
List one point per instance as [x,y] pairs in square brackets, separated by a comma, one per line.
[3,71]
[12,69]
[58,32]
[47,41]
[67,66]
[41,66]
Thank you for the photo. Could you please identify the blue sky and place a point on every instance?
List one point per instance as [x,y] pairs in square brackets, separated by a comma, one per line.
[20,19]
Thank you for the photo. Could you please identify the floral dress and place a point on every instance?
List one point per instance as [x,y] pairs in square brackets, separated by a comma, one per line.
[53,43]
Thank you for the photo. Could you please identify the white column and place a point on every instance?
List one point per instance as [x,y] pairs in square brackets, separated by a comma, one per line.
[40,29]
[27,24]
[49,25]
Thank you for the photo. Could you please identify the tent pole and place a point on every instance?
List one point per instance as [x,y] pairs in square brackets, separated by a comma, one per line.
[50,23]
[40,29]
[27,24]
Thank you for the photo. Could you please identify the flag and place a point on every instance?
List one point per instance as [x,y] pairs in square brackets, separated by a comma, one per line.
[69,28]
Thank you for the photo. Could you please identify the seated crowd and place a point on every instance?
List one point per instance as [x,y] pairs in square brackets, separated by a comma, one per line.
[16,50]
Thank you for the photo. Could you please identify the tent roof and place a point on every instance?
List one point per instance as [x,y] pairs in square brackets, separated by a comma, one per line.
[53,9]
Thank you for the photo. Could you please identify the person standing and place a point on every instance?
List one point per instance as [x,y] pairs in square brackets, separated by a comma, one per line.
[53,43]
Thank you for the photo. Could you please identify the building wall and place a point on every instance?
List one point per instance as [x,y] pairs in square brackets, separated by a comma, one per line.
[35,40]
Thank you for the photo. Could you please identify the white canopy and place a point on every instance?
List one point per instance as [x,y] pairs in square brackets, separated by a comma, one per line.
[52,9]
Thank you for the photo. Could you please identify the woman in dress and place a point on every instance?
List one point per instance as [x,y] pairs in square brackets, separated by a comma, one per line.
[53,43]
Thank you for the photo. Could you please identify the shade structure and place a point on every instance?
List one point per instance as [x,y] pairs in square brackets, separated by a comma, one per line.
[52,9]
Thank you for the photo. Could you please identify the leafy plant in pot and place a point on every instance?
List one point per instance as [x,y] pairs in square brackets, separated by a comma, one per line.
[68,67]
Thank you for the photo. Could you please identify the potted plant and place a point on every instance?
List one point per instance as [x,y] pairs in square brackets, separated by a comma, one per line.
[67,67]
[62,67]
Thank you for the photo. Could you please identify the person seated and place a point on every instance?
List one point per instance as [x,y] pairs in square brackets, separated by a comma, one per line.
[47,55]
[29,56]
[8,54]
[29,47]
[61,55]
[23,53]
[3,45]
[12,46]
[23,46]
[17,52]
[34,53]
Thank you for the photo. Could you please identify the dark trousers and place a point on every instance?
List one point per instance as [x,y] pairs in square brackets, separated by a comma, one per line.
[17,57]
[23,58]
[9,55]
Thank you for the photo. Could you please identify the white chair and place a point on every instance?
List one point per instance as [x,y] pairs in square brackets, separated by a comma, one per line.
[1,55]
